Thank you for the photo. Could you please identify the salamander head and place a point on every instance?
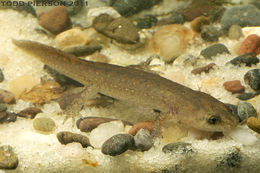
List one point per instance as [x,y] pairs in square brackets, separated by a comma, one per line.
[208,114]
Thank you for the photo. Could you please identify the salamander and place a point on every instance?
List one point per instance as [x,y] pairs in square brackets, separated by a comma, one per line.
[176,103]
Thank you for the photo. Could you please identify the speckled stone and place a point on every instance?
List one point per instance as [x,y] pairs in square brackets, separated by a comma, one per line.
[44,124]
[214,50]
[230,160]
[143,140]
[178,147]
[243,15]
[247,96]
[210,33]
[118,144]
[120,29]
[3,107]
[1,76]
[130,7]
[68,137]
[146,22]
[8,158]
[252,78]
[245,110]
[248,59]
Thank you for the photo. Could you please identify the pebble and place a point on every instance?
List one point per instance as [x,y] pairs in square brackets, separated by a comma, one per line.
[203,69]
[1,76]
[250,45]
[95,12]
[231,160]
[214,50]
[248,59]
[247,96]
[29,112]
[210,33]
[232,108]
[176,18]
[234,86]
[72,37]
[120,29]
[141,125]
[3,107]
[170,41]
[68,137]
[7,117]
[8,158]
[178,147]
[118,144]
[44,92]
[254,124]
[130,7]
[143,140]
[198,22]
[87,124]
[44,124]
[216,14]
[75,8]
[198,8]
[55,20]
[252,78]
[60,78]
[83,50]
[243,15]
[235,32]
[6,97]
[245,110]
[147,21]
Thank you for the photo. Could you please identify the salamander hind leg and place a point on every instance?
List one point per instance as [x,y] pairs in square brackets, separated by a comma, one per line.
[72,101]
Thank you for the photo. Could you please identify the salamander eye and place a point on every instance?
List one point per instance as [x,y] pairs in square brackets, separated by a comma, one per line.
[214,119]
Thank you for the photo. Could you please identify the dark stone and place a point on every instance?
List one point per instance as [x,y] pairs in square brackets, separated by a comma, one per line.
[118,144]
[214,50]
[83,50]
[1,76]
[130,7]
[245,110]
[252,78]
[210,33]
[3,107]
[177,147]
[146,22]
[232,108]
[29,112]
[246,96]
[6,97]
[6,117]
[75,8]
[216,14]
[68,137]
[243,15]
[231,160]
[120,29]
[248,59]
[60,78]
[8,158]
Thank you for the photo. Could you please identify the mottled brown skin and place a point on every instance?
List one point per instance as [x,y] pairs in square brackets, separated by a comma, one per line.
[177,103]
